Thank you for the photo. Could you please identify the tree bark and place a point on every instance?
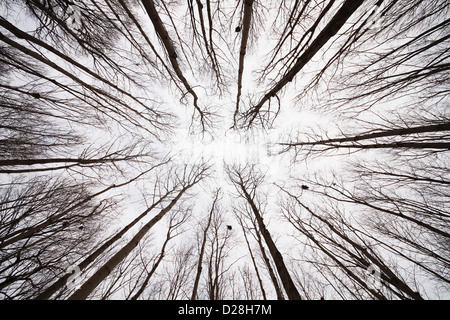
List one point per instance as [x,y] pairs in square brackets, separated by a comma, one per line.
[285,277]
[154,267]
[335,24]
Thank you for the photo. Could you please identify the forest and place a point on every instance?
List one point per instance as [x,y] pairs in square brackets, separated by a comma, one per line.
[224,150]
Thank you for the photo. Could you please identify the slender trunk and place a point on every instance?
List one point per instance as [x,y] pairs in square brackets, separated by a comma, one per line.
[411,219]
[28,232]
[335,24]
[256,267]
[373,135]
[101,274]
[387,274]
[162,33]
[246,22]
[202,251]
[411,177]
[272,275]
[94,255]
[22,234]
[352,199]
[155,266]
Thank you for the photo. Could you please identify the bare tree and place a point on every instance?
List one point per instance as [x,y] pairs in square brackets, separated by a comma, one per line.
[162,33]
[46,294]
[179,274]
[203,245]
[31,256]
[246,181]
[333,26]
[254,231]
[219,248]
[261,285]
[93,96]
[364,255]
[174,223]
[246,24]
[187,179]
[428,137]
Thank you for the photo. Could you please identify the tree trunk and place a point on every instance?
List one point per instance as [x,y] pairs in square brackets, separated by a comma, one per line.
[152,271]
[347,9]
[246,22]
[272,275]
[94,255]
[92,283]
[256,267]
[162,33]
[286,279]
[202,251]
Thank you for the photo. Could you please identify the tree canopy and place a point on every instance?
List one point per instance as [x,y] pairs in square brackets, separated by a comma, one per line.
[204,149]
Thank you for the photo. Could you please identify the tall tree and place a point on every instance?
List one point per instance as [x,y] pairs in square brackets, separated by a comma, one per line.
[175,221]
[203,246]
[246,181]
[245,29]
[188,178]
[333,26]
[364,256]
[162,33]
